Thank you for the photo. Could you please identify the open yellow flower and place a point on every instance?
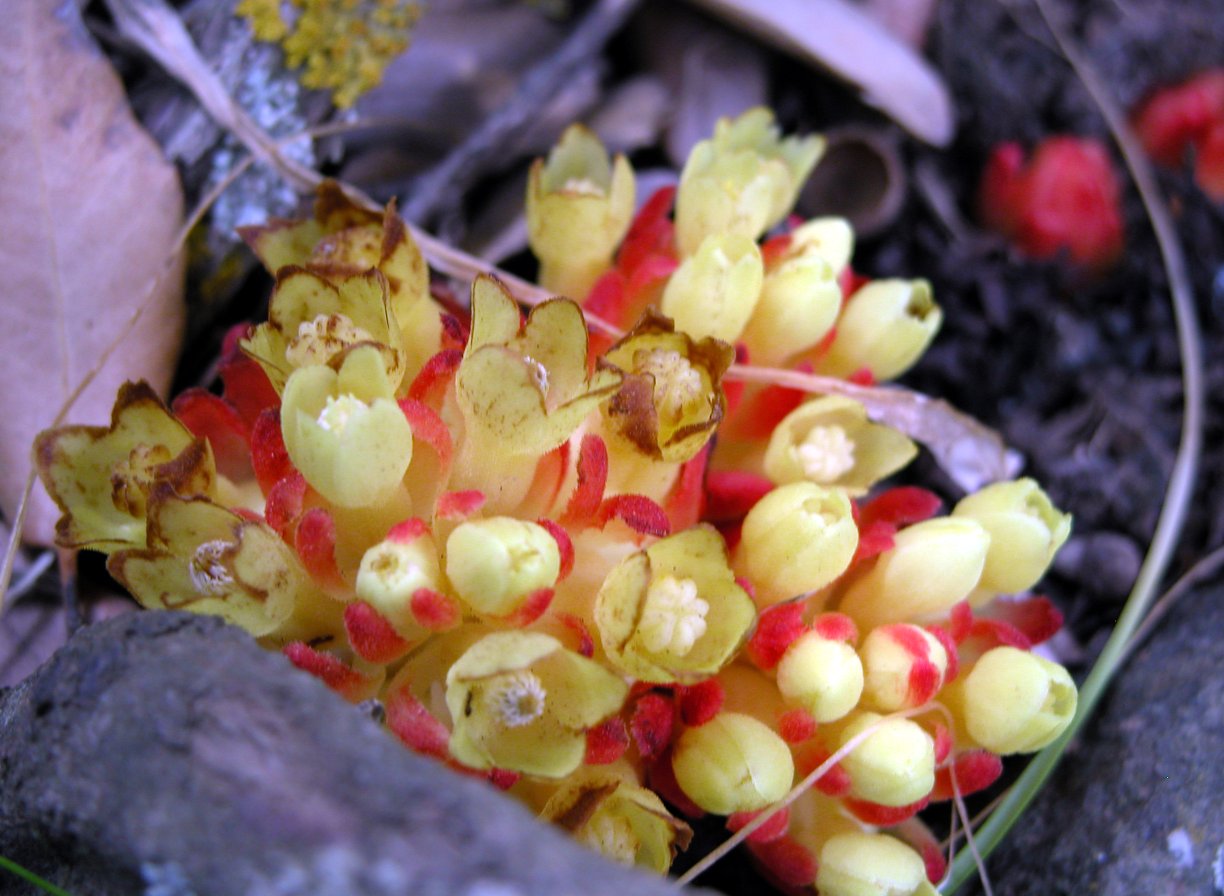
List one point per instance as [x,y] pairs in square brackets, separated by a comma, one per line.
[674,612]
[344,431]
[207,559]
[671,400]
[611,813]
[521,701]
[831,442]
[312,320]
[578,208]
[101,476]
[343,240]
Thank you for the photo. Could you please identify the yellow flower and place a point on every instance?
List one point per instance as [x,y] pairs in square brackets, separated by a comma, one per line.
[831,442]
[1015,702]
[343,240]
[521,701]
[614,815]
[894,765]
[674,611]
[578,208]
[864,864]
[732,763]
[312,320]
[671,400]
[101,476]
[884,328]
[344,431]
[715,290]
[207,559]
[497,564]
[742,181]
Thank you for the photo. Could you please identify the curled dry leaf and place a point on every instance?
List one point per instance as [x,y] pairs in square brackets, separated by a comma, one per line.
[837,35]
[89,210]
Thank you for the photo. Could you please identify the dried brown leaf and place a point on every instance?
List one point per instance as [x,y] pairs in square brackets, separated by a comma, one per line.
[845,40]
[89,210]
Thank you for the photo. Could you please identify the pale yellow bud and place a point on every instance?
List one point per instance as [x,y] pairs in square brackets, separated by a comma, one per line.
[496,564]
[830,441]
[862,864]
[579,204]
[798,538]
[714,292]
[1016,702]
[1026,530]
[732,763]
[391,572]
[904,666]
[885,328]
[831,239]
[894,765]
[821,675]
[800,299]
[931,566]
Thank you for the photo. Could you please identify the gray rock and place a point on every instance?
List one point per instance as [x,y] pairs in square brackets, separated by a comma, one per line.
[163,753]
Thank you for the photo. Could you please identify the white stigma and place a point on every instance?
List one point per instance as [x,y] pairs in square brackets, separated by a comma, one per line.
[208,574]
[582,186]
[337,412]
[517,698]
[825,453]
[674,617]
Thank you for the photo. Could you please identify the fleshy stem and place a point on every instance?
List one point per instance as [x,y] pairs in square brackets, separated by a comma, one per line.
[1181,480]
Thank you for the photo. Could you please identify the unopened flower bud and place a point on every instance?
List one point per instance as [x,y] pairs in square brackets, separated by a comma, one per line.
[797,539]
[862,864]
[733,763]
[894,765]
[1017,702]
[743,180]
[885,328]
[345,432]
[496,564]
[931,566]
[821,675]
[578,208]
[800,299]
[904,665]
[714,292]
[830,441]
[392,572]
[1026,530]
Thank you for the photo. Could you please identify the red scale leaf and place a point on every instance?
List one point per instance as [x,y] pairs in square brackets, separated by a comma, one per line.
[371,635]
[661,778]
[974,769]
[810,756]
[700,702]
[884,816]
[269,457]
[638,512]
[730,494]
[408,531]
[565,546]
[777,628]
[435,377]
[787,860]
[684,504]
[944,637]
[531,609]
[215,419]
[1034,617]
[435,611]
[943,743]
[901,506]
[592,479]
[503,778]
[836,627]
[285,502]
[337,675]
[415,725]
[651,724]
[772,829]
[458,505]
[428,427]
[606,742]
[586,644]
[314,538]
[796,726]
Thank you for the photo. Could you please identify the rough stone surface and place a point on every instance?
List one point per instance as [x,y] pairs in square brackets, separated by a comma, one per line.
[166,754]
[1139,806]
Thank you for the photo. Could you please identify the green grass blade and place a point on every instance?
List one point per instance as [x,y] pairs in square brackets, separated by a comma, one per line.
[1177,494]
[30,877]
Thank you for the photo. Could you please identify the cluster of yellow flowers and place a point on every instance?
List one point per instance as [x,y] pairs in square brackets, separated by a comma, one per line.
[583,565]
[344,44]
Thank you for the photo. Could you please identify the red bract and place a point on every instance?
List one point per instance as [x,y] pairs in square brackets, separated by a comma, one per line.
[651,724]
[777,628]
[269,458]
[773,828]
[700,702]
[371,635]
[341,678]
[1189,115]
[974,769]
[787,860]
[1065,198]
[638,512]
[413,724]
[315,542]
[606,742]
